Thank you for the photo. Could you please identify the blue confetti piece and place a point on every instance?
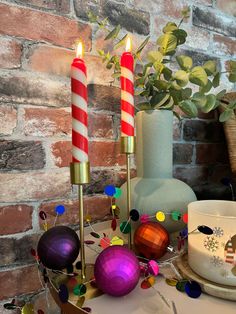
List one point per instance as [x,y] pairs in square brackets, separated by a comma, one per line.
[193,289]
[110,190]
[60,209]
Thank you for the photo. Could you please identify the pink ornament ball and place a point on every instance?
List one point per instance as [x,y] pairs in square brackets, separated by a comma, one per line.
[116,271]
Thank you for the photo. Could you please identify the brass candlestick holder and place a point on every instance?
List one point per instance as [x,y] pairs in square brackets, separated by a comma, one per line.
[128,148]
[80,175]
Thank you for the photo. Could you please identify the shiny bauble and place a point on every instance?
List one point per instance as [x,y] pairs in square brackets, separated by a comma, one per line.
[116,271]
[151,240]
[58,247]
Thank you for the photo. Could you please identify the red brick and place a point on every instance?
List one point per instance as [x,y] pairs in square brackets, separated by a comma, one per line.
[47,122]
[218,172]
[101,154]
[182,153]
[57,122]
[177,126]
[8,117]
[97,206]
[191,175]
[211,153]
[17,187]
[197,38]
[19,281]
[106,154]
[100,125]
[62,6]
[35,25]
[227,6]
[10,53]
[206,2]
[174,8]
[61,153]
[26,87]
[15,218]
[58,61]
[224,45]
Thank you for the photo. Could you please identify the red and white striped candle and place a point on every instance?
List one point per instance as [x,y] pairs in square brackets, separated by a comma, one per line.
[79,108]
[127,91]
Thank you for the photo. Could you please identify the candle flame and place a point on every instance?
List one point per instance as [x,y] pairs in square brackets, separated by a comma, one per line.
[128,44]
[79,50]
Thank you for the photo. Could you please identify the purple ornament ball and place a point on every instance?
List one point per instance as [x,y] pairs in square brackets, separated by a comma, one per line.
[116,271]
[58,247]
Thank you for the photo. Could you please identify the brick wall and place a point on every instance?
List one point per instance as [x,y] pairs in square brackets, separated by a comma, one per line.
[36,38]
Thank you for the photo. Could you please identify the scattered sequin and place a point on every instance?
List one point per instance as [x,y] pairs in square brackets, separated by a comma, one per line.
[193,289]
[160,216]
[205,230]
[180,286]
[63,293]
[153,268]
[117,241]
[113,224]
[125,227]
[176,215]
[144,218]
[110,190]
[118,193]
[185,218]
[42,215]
[171,282]
[79,289]
[87,309]
[105,242]
[134,215]
[60,209]
[95,235]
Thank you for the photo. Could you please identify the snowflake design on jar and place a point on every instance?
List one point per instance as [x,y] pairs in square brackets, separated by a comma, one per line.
[211,244]
[216,261]
[218,232]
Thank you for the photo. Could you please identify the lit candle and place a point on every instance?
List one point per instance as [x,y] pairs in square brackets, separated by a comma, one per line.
[79,107]
[127,91]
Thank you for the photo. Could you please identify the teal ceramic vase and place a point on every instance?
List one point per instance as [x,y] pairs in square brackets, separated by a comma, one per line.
[154,188]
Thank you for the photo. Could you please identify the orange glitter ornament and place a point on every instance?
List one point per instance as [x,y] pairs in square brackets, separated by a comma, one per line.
[151,240]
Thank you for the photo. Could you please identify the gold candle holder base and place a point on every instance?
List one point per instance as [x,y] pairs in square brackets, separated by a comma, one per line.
[80,174]
[128,146]
[73,306]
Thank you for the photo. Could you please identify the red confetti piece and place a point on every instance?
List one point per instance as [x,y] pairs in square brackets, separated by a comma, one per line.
[72,282]
[33,252]
[87,309]
[145,284]
[113,224]
[144,218]
[105,242]
[185,218]
[42,215]
[89,242]
[179,243]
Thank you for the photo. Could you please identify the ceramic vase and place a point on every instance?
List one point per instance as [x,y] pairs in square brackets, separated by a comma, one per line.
[154,188]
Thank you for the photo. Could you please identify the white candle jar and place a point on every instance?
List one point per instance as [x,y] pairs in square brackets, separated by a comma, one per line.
[213,257]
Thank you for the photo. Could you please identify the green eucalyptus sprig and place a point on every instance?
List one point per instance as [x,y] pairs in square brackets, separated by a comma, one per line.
[159,85]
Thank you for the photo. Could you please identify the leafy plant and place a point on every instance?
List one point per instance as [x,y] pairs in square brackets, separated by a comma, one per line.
[162,87]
